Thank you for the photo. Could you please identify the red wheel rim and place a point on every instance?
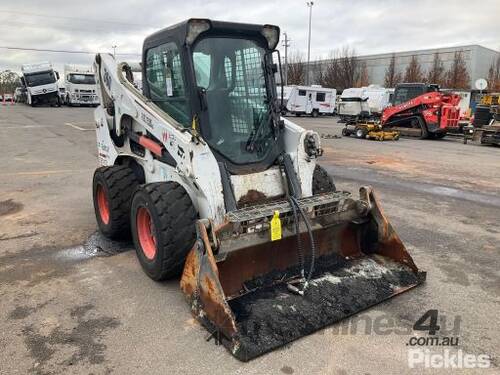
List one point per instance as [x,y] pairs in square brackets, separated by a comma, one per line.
[102,204]
[146,233]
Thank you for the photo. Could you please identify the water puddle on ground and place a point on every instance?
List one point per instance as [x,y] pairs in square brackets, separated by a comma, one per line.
[96,245]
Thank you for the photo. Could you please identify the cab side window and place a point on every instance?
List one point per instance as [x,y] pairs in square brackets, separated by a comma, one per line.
[166,84]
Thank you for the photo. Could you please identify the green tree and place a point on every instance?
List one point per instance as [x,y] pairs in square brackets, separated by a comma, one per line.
[9,81]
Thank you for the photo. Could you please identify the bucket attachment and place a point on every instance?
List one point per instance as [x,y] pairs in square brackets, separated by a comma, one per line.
[255,295]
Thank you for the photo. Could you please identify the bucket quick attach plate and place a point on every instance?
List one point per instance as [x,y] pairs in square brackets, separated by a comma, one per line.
[236,278]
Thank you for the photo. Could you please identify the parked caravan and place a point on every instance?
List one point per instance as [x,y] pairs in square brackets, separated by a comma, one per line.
[309,100]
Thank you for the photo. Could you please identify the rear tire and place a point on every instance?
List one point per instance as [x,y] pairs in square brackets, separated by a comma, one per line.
[163,228]
[113,188]
[315,113]
[322,181]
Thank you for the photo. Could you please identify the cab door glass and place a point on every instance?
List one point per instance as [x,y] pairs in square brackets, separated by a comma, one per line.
[166,83]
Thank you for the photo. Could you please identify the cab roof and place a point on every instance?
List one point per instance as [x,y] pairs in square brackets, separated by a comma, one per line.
[179,32]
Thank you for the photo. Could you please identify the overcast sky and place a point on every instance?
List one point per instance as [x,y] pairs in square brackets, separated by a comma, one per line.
[368,26]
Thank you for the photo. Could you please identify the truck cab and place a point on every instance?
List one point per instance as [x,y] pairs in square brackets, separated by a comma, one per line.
[40,81]
[80,87]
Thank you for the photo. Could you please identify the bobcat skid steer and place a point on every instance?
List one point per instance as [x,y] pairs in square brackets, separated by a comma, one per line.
[214,185]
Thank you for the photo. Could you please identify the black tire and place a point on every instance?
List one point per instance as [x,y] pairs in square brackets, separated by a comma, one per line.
[315,113]
[173,218]
[118,184]
[345,132]
[322,181]
[361,133]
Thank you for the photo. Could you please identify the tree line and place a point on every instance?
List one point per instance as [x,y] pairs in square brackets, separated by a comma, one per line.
[8,82]
[343,70]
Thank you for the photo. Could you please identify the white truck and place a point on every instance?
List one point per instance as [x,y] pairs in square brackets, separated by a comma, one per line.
[79,82]
[309,100]
[40,81]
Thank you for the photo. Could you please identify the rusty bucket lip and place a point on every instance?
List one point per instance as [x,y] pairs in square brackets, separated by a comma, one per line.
[202,263]
[235,346]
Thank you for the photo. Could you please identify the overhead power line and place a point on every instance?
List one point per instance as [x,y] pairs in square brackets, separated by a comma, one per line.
[63,51]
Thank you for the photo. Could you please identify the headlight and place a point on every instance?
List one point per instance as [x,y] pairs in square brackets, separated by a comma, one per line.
[195,28]
[272,34]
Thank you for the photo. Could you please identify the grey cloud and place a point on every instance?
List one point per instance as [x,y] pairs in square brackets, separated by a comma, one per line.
[367,26]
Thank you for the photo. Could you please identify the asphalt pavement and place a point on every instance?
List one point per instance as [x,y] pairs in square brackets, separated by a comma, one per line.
[73,303]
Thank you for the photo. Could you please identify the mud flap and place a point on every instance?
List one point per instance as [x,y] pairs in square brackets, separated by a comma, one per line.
[240,294]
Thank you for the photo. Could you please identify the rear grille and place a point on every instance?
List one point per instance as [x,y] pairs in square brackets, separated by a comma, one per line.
[257,218]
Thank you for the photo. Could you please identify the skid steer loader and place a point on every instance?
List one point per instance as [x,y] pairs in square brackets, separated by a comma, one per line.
[215,186]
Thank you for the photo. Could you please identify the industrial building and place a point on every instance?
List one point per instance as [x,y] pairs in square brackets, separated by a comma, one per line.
[477,58]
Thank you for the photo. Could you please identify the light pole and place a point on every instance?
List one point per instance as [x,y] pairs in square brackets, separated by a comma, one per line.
[310,6]
[114,51]
[286,44]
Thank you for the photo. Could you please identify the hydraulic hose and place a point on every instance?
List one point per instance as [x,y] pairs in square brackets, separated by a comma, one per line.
[311,238]
[296,219]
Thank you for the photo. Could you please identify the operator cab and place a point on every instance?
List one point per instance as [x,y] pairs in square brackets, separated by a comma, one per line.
[408,91]
[218,78]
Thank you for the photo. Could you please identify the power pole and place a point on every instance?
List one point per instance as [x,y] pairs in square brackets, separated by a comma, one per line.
[114,51]
[286,44]
[310,6]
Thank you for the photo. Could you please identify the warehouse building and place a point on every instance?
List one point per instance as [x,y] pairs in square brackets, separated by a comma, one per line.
[477,58]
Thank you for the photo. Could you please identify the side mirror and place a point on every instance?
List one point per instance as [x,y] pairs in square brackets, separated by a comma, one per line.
[23,82]
[57,75]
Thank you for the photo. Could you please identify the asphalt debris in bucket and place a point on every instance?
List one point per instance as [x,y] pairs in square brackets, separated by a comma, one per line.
[272,316]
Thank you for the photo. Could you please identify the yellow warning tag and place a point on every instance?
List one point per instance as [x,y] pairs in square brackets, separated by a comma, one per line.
[276,227]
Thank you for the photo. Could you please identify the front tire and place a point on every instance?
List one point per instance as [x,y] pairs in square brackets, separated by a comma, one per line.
[361,133]
[163,228]
[113,188]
